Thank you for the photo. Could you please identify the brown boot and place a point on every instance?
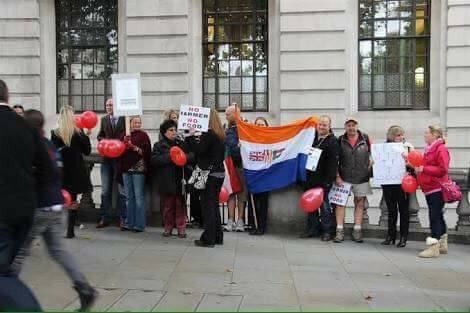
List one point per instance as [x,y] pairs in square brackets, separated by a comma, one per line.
[432,251]
[443,247]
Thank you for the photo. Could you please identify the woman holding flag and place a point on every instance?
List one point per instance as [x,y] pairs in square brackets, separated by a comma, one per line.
[210,152]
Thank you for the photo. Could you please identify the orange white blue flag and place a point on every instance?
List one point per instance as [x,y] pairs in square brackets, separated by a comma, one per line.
[275,157]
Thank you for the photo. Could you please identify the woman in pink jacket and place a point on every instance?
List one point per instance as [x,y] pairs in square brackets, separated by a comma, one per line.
[434,171]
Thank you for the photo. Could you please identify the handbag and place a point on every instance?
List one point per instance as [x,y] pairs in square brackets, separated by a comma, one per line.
[199,178]
[450,191]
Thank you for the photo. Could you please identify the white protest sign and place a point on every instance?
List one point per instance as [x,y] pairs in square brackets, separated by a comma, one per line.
[194,117]
[339,194]
[389,165]
[313,157]
[127,96]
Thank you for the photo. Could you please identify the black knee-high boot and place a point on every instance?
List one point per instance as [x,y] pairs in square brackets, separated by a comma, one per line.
[71,218]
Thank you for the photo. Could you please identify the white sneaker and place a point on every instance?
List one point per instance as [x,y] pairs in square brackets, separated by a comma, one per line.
[240,226]
[230,226]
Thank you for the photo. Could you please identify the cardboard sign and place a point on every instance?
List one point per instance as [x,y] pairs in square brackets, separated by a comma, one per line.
[389,165]
[339,194]
[194,117]
[313,157]
[127,95]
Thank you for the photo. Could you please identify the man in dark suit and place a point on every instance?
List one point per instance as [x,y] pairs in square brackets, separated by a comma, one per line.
[111,127]
[25,169]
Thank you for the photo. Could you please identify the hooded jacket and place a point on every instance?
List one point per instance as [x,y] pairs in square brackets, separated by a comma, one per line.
[435,167]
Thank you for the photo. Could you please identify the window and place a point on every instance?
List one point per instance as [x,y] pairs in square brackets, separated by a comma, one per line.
[394,54]
[235,64]
[87,52]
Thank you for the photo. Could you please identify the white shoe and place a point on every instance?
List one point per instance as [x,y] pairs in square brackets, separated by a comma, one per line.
[240,226]
[230,226]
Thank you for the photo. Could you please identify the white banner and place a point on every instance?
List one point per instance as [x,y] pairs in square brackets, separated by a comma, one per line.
[194,117]
[339,194]
[127,96]
[389,165]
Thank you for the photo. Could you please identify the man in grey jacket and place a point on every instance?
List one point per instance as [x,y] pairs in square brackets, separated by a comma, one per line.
[354,168]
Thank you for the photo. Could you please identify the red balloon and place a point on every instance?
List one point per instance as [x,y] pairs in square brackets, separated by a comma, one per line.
[415,158]
[101,146]
[409,184]
[113,148]
[311,200]
[223,195]
[89,119]
[78,121]
[178,156]
[67,197]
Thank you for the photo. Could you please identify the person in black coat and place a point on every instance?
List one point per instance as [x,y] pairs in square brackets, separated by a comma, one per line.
[323,177]
[25,170]
[111,127]
[210,152]
[72,144]
[170,178]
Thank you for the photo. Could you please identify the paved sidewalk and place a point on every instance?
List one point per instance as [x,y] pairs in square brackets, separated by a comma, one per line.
[147,272]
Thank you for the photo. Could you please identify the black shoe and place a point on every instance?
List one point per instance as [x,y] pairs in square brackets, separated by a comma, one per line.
[258,232]
[326,237]
[307,234]
[253,231]
[201,243]
[389,240]
[70,235]
[87,296]
[402,242]
[219,241]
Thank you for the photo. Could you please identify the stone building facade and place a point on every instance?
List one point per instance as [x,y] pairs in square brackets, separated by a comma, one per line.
[314,60]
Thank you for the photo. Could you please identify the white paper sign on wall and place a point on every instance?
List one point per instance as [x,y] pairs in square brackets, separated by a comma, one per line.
[127,95]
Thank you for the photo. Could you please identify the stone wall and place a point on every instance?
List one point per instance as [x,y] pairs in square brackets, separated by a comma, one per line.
[20,51]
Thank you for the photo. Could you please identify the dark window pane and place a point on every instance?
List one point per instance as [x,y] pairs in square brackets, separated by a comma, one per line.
[379,99]
[235,51]
[261,67]
[99,87]
[247,51]
[393,9]
[365,29]
[261,101]
[235,84]
[379,66]
[62,71]
[235,98]
[379,82]
[224,85]
[223,68]
[247,68]
[209,100]
[365,83]
[365,100]
[63,87]
[87,87]
[247,101]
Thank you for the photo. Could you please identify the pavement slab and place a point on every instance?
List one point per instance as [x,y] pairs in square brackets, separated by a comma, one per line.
[148,272]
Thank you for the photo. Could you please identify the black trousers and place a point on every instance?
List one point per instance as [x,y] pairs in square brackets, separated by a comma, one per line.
[397,201]
[14,295]
[195,205]
[261,208]
[211,211]
[72,217]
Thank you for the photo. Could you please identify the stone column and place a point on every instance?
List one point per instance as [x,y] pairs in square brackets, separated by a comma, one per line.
[414,209]
[463,211]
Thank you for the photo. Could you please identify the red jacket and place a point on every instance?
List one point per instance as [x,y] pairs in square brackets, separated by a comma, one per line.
[435,167]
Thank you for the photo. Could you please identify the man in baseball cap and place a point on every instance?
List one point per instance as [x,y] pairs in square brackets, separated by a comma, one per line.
[354,167]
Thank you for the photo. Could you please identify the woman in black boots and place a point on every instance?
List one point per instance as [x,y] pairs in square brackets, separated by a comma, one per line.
[396,199]
[72,143]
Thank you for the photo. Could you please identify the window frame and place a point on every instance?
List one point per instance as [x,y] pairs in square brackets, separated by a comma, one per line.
[216,43]
[412,39]
[110,61]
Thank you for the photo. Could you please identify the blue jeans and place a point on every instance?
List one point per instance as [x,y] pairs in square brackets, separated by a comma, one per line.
[436,216]
[134,185]
[108,177]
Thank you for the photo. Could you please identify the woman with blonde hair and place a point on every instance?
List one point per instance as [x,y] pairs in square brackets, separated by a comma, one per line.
[210,151]
[72,143]
[396,199]
[434,172]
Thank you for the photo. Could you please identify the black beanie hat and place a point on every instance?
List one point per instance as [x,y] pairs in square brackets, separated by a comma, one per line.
[167,124]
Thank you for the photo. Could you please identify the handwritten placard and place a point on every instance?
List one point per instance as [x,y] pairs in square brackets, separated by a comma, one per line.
[313,157]
[389,165]
[339,194]
[194,117]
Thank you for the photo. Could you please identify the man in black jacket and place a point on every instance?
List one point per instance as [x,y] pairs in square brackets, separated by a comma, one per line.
[323,177]
[25,169]
[111,127]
